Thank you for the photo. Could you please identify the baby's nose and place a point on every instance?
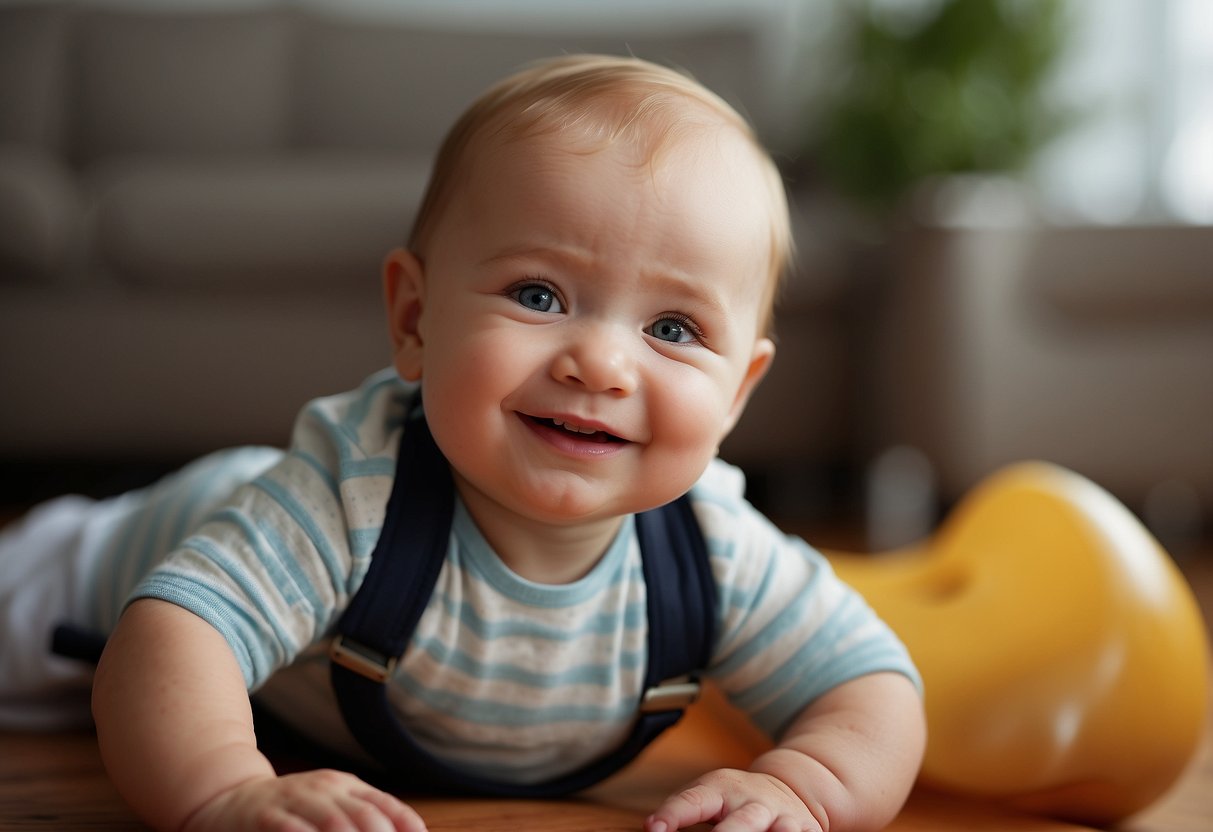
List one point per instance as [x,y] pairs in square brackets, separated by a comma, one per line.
[599,359]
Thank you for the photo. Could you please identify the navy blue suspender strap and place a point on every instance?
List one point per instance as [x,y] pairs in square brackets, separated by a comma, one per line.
[376,627]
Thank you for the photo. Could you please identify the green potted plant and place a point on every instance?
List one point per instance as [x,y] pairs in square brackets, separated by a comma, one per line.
[933,88]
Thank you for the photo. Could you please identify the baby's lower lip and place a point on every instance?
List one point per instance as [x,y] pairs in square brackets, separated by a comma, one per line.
[599,443]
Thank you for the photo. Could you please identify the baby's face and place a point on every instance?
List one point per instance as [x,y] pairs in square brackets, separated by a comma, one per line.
[590,322]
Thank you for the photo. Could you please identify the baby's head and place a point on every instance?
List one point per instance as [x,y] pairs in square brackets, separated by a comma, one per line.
[587,289]
[601,99]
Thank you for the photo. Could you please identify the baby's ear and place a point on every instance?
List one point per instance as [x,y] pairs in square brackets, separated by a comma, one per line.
[404,297]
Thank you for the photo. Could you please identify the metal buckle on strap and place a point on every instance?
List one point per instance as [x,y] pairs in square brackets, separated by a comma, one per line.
[671,695]
[363,660]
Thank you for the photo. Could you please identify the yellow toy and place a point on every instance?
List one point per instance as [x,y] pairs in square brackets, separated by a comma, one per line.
[1064,657]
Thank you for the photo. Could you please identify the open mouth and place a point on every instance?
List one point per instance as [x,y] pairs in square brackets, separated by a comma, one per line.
[585,434]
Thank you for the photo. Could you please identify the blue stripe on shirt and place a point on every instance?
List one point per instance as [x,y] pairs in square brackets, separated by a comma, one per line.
[326,476]
[306,523]
[251,590]
[288,562]
[602,624]
[375,466]
[774,629]
[597,675]
[809,656]
[273,558]
[505,714]
[874,655]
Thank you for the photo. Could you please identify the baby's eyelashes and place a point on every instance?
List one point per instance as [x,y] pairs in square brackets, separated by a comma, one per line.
[676,329]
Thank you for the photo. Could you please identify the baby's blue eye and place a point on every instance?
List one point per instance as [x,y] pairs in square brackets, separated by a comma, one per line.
[673,330]
[538,297]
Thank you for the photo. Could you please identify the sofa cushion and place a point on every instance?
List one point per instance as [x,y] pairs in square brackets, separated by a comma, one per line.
[273,224]
[33,75]
[400,88]
[183,82]
[130,376]
[40,214]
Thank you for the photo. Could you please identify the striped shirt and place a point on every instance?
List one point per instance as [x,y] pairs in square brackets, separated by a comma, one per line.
[503,677]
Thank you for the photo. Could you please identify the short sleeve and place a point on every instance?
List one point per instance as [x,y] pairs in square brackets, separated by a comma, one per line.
[273,567]
[788,629]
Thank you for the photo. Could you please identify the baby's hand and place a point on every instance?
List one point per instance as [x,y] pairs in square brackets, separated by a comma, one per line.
[313,800]
[737,801]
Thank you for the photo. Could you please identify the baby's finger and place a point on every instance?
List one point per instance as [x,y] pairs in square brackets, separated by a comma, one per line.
[750,817]
[357,816]
[403,816]
[333,801]
[758,817]
[697,804]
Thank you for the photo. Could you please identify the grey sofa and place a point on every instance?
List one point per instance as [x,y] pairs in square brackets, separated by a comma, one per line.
[194,205]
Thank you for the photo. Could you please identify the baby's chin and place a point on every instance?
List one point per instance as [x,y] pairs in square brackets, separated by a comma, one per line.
[563,498]
[571,504]
[570,514]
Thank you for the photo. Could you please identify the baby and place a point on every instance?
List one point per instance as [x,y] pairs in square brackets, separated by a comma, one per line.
[578,320]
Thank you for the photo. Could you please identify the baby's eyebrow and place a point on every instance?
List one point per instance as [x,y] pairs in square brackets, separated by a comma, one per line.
[559,253]
[680,285]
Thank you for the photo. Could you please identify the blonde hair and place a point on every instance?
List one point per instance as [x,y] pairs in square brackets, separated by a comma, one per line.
[602,98]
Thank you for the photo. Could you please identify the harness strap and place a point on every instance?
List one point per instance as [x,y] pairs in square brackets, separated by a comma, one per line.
[375,629]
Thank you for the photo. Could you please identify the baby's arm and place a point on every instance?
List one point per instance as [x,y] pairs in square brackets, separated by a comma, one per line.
[846,763]
[176,734]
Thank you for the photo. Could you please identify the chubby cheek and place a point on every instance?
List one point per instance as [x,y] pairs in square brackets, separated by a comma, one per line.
[467,377]
[687,418]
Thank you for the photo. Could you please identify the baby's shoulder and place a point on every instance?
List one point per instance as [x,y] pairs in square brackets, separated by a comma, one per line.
[356,425]
[756,564]
[734,529]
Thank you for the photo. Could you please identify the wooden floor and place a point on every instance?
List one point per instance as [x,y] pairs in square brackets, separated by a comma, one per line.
[56,782]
